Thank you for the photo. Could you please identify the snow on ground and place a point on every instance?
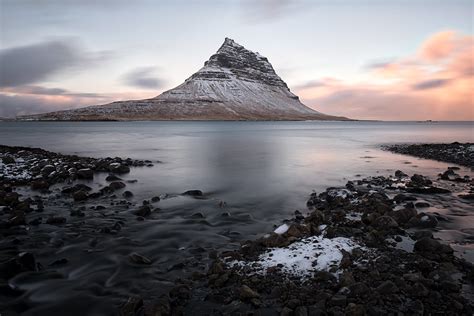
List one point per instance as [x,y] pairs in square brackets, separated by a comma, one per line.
[282,229]
[304,257]
[17,170]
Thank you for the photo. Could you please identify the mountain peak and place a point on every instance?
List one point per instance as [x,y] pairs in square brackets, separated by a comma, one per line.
[234,84]
[234,60]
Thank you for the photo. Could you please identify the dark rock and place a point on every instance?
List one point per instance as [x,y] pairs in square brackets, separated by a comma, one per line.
[399,198]
[39,185]
[80,196]
[193,193]
[197,215]
[428,190]
[404,215]
[118,168]
[17,218]
[56,220]
[338,300]
[112,177]
[8,160]
[139,259]
[155,199]
[132,306]
[420,181]
[400,174]
[387,287]
[246,293]
[431,245]
[385,222]
[46,170]
[116,185]
[85,173]
[423,220]
[127,194]
[143,211]
[422,204]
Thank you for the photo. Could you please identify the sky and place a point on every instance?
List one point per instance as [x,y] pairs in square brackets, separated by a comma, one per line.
[364,59]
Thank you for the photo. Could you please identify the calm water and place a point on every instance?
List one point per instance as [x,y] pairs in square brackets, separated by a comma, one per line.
[243,162]
[264,171]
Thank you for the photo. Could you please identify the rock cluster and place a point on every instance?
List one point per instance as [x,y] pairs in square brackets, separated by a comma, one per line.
[379,279]
[459,153]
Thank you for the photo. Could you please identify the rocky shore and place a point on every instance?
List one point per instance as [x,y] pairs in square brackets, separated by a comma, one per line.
[458,153]
[364,249]
[368,248]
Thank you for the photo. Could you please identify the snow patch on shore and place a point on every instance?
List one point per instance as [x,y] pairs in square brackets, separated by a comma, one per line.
[303,258]
[281,229]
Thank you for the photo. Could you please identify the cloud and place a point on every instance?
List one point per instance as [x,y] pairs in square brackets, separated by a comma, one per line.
[26,100]
[438,46]
[22,104]
[28,64]
[311,84]
[39,90]
[269,10]
[430,84]
[143,77]
[435,82]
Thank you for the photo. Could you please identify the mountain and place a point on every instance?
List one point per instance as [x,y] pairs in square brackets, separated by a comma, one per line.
[234,84]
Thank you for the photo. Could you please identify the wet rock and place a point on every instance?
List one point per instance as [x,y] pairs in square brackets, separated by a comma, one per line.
[431,245]
[338,300]
[59,262]
[139,259]
[132,306]
[358,289]
[56,220]
[17,218]
[423,220]
[422,204]
[46,170]
[428,190]
[387,287]
[246,293]
[116,185]
[8,160]
[85,173]
[143,211]
[420,181]
[112,177]
[155,199]
[469,196]
[194,193]
[399,198]
[75,188]
[385,222]
[80,196]
[404,215]
[197,215]
[118,168]
[160,307]
[24,261]
[353,309]
[39,185]
[77,213]
[127,194]
[400,174]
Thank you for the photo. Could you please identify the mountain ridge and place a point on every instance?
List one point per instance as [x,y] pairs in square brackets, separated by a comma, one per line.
[234,84]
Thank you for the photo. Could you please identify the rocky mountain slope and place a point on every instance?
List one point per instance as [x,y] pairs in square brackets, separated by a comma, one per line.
[234,84]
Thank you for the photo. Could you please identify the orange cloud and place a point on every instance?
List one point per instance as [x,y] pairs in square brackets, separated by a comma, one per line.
[438,46]
[437,82]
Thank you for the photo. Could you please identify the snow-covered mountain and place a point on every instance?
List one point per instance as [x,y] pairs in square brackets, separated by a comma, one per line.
[234,84]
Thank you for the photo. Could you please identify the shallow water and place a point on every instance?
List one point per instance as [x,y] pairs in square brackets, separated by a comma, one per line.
[263,171]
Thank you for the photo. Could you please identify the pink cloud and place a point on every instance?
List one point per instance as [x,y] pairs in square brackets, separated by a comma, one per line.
[434,83]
